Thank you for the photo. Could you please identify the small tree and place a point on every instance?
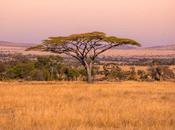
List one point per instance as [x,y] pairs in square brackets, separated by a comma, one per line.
[84,47]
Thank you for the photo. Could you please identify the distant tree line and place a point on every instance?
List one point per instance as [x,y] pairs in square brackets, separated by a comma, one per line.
[48,68]
[139,61]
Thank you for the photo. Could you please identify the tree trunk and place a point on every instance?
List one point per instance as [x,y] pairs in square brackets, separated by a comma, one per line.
[89,76]
[88,68]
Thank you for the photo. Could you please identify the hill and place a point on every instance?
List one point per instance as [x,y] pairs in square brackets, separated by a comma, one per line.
[163,47]
[126,47]
[13,44]
[122,51]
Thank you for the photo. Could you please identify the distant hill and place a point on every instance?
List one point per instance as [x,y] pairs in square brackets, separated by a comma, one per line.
[163,47]
[126,47]
[121,51]
[12,44]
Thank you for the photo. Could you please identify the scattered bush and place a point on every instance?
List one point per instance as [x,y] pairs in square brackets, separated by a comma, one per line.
[132,74]
[143,76]
[47,68]
[158,72]
[114,72]
[71,74]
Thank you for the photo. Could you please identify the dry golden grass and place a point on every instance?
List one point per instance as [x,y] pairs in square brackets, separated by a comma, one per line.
[80,106]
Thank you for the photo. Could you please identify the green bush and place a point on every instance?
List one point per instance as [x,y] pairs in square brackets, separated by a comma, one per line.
[72,74]
[20,71]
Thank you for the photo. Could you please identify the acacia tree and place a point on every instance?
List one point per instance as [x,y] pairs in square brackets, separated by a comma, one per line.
[84,47]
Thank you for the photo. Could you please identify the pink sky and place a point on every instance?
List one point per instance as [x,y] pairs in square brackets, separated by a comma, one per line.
[151,22]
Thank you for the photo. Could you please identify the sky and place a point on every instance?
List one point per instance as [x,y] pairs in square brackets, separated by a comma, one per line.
[150,22]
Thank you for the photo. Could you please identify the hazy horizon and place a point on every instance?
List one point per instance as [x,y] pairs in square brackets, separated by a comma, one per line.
[30,21]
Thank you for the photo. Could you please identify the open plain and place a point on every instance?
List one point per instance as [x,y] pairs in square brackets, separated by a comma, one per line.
[81,106]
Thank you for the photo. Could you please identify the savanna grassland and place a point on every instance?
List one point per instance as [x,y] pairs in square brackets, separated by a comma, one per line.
[81,106]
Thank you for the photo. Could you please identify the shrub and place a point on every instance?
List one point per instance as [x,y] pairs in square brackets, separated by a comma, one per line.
[82,73]
[20,70]
[71,74]
[132,74]
[161,73]
[142,75]
[113,72]
[37,75]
